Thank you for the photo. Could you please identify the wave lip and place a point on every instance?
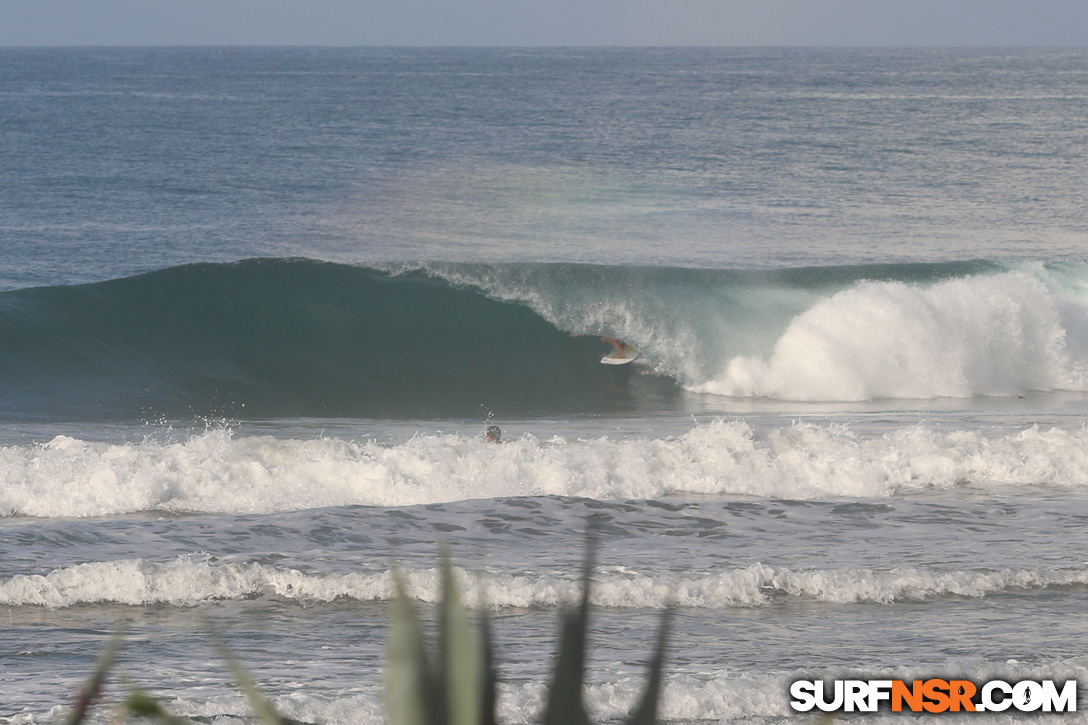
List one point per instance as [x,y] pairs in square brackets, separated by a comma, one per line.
[187,583]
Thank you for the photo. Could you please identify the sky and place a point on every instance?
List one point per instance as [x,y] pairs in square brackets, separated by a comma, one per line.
[545,22]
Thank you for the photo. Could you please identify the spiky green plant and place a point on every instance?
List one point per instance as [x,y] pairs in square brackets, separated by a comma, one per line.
[144,705]
[456,684]
[141,704]
[260,704]
[453,685]
[92,688]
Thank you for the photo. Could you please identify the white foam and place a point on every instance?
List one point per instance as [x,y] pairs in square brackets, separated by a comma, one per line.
[217,472]
[995,335]
[689,694]
[187,582]
[715,696]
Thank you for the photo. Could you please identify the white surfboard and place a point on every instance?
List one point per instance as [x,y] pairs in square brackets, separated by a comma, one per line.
[629,354]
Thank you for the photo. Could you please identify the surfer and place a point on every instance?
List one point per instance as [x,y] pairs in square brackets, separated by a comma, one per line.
[493,434]
[621,347]
[624,353]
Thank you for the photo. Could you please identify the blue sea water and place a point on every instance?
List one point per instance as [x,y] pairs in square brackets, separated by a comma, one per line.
[257,307]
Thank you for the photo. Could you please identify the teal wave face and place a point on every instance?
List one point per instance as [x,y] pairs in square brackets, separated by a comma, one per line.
[279,338]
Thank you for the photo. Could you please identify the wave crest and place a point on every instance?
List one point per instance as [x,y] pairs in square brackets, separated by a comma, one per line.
[186,583]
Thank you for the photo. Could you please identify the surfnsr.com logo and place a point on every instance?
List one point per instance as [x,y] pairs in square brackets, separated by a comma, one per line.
[934,695]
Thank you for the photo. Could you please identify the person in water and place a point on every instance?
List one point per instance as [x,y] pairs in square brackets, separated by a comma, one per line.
[493,434]
[620,345]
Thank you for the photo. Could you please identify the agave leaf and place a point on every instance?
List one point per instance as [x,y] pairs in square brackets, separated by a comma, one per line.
[408,685]
[260,704]
[142,704]
[93,686]
[462,660]
[646,712]
[490,678]
[565,705]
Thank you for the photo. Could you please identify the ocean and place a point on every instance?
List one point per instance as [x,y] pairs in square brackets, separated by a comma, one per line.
[258,306]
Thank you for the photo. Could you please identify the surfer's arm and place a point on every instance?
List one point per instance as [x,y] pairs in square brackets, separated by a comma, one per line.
[620,350]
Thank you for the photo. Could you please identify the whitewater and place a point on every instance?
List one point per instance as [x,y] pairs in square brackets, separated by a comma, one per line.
[222,472]
[258,306]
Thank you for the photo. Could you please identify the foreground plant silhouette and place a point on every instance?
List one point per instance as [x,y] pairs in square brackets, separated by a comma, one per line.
[141,704]
[453,683]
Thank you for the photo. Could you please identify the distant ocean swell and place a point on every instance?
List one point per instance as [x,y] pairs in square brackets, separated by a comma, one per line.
[186,583]
[216,472]
[283,338]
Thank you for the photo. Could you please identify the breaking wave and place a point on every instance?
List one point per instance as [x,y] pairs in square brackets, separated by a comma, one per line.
[273,338]
[218,472]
